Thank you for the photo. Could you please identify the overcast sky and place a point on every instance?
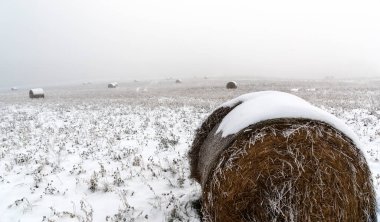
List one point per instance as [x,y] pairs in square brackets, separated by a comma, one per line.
[61,41]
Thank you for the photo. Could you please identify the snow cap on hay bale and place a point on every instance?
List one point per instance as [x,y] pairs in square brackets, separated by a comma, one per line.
[231,85]
[112,85]
[36,93]
[271,156]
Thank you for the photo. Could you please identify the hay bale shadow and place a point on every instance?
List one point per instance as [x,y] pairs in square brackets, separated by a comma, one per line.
[197,206]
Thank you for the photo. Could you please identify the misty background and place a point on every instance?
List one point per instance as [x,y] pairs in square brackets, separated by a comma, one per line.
[68,41]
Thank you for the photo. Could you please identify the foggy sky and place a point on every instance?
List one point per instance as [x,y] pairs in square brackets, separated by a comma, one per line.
[50,42]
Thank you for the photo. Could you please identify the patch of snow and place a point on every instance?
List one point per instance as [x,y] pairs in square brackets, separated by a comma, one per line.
[294,90]
[259,106]
[37,91]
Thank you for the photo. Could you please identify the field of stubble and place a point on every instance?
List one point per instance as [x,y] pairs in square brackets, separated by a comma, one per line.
[88,153]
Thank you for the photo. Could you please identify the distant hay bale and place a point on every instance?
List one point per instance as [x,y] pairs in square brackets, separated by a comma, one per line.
[36,93]
[14,88]
[231,85]
[178,81]
[112,85]
[284,169]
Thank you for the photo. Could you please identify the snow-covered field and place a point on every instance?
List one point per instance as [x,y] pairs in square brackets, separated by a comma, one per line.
[88,153]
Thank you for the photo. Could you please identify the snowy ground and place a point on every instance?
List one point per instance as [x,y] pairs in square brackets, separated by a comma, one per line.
[88,153]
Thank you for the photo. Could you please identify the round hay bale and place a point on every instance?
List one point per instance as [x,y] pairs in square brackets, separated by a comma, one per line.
[282,169]
[178,81]
[112,85]
[36,93]
[231,85]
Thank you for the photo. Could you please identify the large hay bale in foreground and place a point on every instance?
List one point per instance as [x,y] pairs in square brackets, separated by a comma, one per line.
[281,169]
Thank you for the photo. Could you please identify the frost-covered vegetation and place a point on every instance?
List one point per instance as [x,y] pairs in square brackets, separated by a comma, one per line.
[92,154]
